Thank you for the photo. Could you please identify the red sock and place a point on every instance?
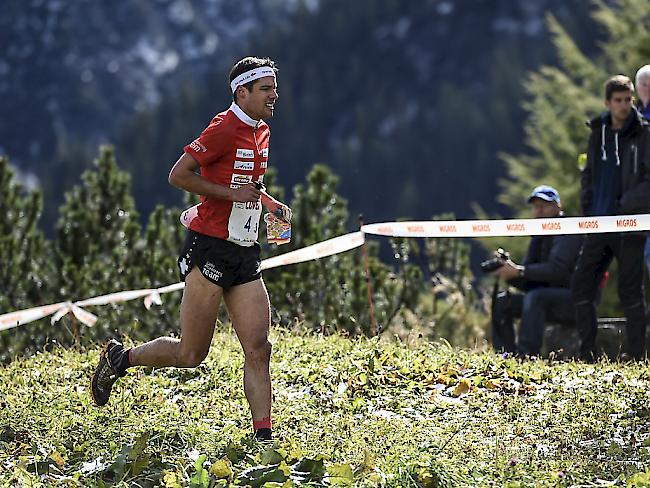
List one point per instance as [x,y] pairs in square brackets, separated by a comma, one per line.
[265,423]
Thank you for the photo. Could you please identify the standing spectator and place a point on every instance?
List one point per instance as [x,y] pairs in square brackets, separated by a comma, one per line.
[615,181]
[642,80]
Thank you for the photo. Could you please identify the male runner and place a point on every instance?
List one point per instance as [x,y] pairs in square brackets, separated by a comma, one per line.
[221,257]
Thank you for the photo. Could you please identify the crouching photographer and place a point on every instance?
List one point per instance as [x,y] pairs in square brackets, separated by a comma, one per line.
[543,279]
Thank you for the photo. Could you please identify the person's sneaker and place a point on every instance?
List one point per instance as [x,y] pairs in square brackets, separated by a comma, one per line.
[106,374]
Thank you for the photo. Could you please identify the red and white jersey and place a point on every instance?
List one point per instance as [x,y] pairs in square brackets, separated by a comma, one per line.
[232,151]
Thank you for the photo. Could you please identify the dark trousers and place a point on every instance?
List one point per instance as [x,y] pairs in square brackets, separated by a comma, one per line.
[535,308]
[597,253]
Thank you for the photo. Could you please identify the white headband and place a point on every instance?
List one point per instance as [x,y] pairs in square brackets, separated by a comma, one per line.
[251,75]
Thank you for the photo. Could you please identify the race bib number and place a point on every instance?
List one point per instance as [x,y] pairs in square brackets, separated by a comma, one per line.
[244,222]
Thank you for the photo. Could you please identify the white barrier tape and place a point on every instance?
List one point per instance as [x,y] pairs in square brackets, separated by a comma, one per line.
[174,287]
[152,296]
[82,315]
[320,250]
[152,299]
[120,296]
[511,227]
[14,319]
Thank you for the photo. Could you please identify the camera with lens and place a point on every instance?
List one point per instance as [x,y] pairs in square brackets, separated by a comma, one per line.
[499,259]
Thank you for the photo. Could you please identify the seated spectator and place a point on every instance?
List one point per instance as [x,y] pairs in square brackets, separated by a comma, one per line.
[544,279]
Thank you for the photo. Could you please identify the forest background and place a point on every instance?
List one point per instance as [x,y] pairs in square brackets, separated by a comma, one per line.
[391,109]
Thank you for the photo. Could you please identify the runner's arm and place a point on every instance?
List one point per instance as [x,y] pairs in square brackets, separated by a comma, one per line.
[183,175]
[276,207]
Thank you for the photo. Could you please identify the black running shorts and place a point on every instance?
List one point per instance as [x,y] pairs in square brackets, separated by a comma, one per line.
[222,262]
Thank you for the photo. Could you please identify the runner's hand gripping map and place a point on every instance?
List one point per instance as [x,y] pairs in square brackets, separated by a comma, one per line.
[278,220]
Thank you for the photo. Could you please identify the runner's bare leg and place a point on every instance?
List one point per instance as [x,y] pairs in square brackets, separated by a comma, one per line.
[199,312]
[250,312]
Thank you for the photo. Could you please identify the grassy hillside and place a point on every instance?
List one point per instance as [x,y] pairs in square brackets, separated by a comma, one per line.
[347,412]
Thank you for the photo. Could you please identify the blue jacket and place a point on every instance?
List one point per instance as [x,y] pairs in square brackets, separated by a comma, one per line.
[645,111]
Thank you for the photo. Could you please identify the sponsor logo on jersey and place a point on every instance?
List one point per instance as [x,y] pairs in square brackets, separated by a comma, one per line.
[247,205]
[197,146]
[241,179]
[245,165]
[234,187]
[265,152]
[245,153]
[263,164]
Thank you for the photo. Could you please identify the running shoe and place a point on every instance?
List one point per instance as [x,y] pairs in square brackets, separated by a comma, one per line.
[106,373]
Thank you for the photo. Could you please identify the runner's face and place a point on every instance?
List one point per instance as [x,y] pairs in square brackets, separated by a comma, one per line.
[259,103]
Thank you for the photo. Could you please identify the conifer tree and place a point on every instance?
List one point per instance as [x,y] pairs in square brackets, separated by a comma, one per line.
[97,235]
[24,253]
[21,243]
